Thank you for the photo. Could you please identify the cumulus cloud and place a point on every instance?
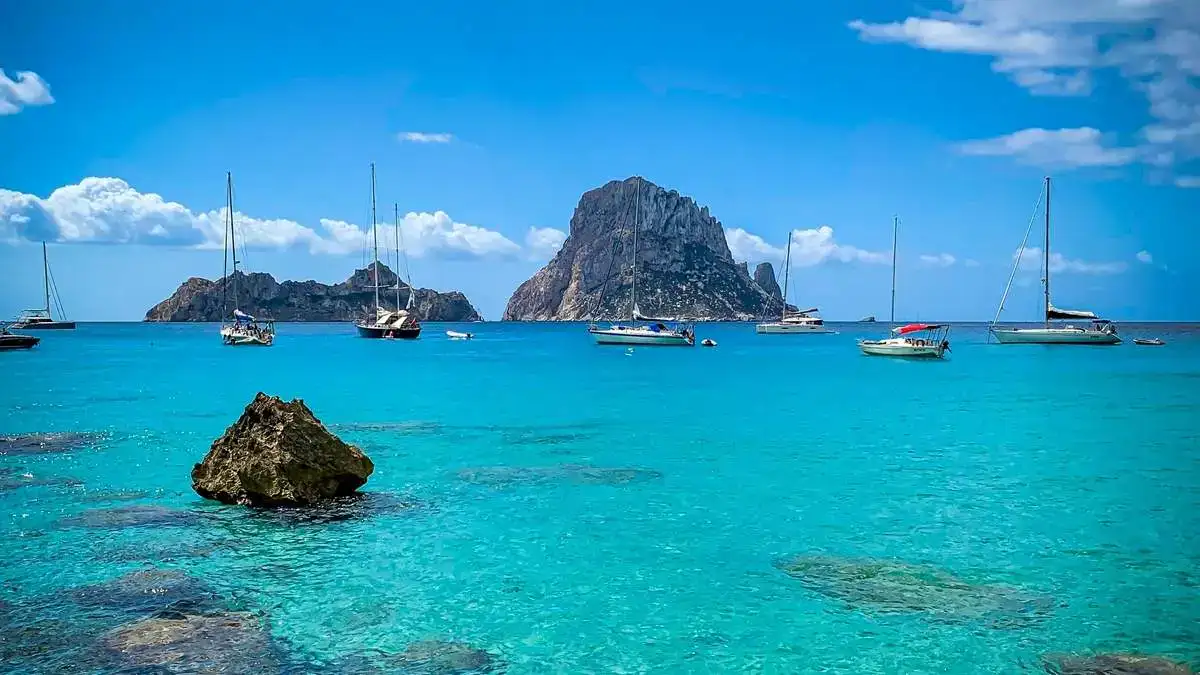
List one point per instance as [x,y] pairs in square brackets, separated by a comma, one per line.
[424,137]
[1066,148]
[110,211]
[544,242]
[938,260]
[810,247]
[1145,257]
[1031,261]
[27,90]
[1057,49]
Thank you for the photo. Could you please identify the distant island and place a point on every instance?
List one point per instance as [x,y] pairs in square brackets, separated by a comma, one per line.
[200,299]
[684,265]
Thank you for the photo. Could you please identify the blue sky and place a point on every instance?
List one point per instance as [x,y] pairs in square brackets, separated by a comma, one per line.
[777,116]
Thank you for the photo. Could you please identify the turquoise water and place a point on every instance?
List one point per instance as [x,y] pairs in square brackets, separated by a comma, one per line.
[1060,485]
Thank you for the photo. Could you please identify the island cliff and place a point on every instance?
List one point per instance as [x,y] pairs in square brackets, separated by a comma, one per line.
[684,266]
[201,300]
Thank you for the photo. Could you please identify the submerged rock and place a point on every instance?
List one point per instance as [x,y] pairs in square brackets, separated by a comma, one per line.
[893,587]
[147,591]
[12,479]
[190,643]
[41,444]
[279,454]
[358,506]
[132,516]
[501,476]
[436,657]
[1112,664]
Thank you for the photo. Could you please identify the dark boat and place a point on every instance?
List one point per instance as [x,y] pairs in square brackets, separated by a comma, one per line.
[12,341]
[1154,342]
[41,318]
[401,323]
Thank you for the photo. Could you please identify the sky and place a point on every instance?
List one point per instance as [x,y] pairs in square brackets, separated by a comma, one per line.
[487,121]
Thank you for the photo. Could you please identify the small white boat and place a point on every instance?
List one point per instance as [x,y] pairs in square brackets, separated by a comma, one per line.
[1149,342]
[805,321]
[244,330]
[917,340]
[456,335]
[708,342]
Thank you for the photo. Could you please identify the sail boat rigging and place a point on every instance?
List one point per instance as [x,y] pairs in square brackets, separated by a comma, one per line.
[387,323]
[42,318]
[238,329]
[656,332]
[1100,332]
[915,340]
[805,321]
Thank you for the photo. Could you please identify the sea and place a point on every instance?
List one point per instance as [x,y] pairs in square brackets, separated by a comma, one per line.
[541,504]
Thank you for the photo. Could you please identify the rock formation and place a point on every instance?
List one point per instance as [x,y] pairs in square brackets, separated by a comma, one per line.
[683,263]
[764,276]
[279,454]
[201,300]
[1112,664]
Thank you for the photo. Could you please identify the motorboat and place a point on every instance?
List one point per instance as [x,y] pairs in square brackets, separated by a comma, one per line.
[10,341]
[1149,342]
[915,340]
[457,335]
[400,322]
[243,330]
[43,317]
[1097,332]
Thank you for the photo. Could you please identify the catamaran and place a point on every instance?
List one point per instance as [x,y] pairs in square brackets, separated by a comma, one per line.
[400,323]
[42,318]
[915,340]
[1099,332]
[806,321]
[656,331]
[238,329]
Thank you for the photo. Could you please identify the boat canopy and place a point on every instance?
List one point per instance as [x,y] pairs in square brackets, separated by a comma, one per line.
[638,316]
[1053,312]
[242,316]
[916,328]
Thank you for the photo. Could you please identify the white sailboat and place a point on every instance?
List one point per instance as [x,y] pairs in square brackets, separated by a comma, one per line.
[243,330]
[387,323]
[1097,332]
[915,340]
[806,321]
[43,318]
[656,331]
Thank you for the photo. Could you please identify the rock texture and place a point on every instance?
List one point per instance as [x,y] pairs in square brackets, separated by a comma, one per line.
[279,454]
[683,262]
[201,300]
[188,643]
[1112,664]
[764,276]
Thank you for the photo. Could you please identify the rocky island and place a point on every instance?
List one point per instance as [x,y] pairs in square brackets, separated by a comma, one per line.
[201,299]
[684,266]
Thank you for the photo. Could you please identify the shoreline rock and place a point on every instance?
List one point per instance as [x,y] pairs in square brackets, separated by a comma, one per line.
[279,454]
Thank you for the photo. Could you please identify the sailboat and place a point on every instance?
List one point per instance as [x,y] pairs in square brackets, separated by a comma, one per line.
[386,323]
[806,321]
[243,330]
[657,331]
[914,340]
[42,318]
[1099,332]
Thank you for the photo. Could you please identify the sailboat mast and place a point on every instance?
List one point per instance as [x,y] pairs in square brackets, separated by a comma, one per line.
[232,235]
[895,237]
[1046,252]
[787,268]
[225,261]
[375,236]
[46,276]
[637,207]
[396,213]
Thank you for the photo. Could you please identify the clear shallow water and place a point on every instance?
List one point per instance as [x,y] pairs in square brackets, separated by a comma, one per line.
[1067,475]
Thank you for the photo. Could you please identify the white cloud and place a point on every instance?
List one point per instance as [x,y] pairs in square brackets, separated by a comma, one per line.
[422,137]
[1032,261]
[543,242]
[28,89]
[1145,257]
[938,260]
[1080,147]
[809,248]
[109,210]
[1057,49]
[1188,181]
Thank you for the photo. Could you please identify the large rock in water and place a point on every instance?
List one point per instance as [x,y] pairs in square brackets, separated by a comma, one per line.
[279,454]
[201,300]
[683,263]
[764,276]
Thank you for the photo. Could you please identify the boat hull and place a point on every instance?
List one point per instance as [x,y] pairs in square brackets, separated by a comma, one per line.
[15,342]
[238,338]
[1054,336]
[901,349]
[788,328]
[45,325]
[380,332]
[614,336]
